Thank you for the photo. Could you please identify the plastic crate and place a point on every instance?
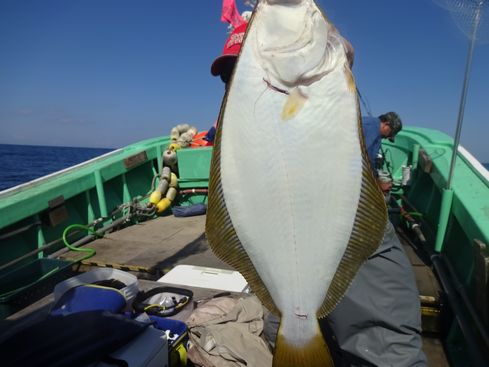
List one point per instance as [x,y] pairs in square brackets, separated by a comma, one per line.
[29,282]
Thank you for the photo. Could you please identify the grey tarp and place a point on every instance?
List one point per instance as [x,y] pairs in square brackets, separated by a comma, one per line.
[378,322]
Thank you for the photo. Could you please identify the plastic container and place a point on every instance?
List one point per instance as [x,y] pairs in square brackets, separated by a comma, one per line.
[177,336]
[29,282]
[176,327]
[129,292]
[406,175]
[204,277]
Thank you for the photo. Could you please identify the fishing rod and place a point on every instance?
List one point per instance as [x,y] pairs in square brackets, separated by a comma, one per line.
[468,66]
[364,103]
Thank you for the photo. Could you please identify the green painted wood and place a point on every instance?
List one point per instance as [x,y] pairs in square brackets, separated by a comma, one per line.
[21,205]
[40,237]
[90,212]
[194,167]
[99,184]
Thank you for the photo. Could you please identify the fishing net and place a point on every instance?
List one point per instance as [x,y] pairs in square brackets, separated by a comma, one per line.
[470,16]
[250,3]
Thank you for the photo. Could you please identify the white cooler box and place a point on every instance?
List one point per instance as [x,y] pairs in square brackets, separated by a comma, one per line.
[203,277]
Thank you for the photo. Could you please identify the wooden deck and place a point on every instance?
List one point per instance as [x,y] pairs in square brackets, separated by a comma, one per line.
[157,245]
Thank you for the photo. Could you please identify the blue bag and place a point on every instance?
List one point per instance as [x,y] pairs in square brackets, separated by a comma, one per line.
[89,297]
[191,210]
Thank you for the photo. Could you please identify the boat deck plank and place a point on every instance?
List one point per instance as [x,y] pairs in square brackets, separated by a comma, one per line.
[159,244]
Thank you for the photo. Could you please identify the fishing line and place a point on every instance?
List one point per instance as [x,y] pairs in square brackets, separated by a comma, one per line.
[258,99]
[364,103]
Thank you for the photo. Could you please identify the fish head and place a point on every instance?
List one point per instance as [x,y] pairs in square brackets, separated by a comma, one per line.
[296,44]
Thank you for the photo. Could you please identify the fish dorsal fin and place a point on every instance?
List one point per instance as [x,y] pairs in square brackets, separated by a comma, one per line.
[221,234]
[366,236]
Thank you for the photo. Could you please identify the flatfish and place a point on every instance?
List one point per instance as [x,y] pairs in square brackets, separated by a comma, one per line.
[293,203]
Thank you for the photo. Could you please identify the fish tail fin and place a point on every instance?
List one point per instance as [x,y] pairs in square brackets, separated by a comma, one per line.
[313,352]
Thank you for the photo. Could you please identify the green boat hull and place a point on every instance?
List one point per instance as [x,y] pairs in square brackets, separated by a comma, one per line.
[455,223]
[35,214]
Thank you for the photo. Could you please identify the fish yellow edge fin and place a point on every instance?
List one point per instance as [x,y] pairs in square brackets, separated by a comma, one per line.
[313,354]
[221,234]
[367,234]
[350,80]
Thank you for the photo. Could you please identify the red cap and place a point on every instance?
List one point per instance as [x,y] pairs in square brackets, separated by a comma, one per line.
[231,48]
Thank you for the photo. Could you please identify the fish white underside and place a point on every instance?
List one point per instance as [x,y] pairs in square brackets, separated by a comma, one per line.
[291,187]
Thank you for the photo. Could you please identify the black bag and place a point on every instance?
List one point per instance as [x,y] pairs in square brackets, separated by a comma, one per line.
[72,340]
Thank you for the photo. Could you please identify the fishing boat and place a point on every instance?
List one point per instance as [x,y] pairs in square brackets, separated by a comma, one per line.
[141,209]
[101,207]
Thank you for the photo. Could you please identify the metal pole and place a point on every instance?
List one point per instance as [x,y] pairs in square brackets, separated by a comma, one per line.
[463,98]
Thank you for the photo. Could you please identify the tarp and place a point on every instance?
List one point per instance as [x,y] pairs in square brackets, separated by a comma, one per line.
[225,332]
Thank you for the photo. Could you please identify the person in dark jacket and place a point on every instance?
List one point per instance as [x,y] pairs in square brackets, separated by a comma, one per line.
[375,129]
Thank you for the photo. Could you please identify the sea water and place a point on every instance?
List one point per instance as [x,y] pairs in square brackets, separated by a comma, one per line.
[24,163]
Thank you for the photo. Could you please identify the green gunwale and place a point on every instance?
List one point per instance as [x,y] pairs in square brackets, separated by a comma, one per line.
[23,201]
[470,206]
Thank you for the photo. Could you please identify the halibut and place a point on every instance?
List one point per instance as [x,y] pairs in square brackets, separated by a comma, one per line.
[293,203]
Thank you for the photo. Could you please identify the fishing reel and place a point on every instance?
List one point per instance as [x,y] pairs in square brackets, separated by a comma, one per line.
[162,301]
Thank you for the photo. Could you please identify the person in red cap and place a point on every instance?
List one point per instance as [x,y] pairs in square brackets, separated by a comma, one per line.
[224,64]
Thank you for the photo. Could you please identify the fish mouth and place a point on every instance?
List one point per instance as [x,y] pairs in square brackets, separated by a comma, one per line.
[276,89]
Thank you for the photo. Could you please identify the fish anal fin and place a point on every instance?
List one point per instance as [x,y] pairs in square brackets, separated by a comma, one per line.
[315,353]
[366,236]
[221,234]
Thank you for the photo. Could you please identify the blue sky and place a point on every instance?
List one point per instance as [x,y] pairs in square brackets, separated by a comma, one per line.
[106,73]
